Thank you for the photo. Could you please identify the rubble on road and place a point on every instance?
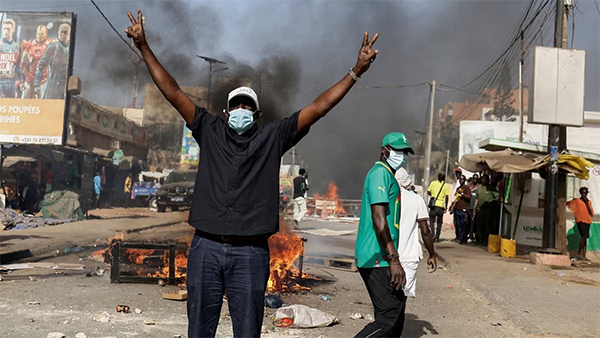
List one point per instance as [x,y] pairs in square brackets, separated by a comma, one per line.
[149,321]
[12,220]
[80,335]
[56,335]
[303,316]
[357,315]
[104,317]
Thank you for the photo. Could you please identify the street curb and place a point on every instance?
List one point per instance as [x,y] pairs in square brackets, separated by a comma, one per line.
[46,252]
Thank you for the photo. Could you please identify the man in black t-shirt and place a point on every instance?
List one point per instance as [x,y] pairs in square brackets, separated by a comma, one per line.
[300,188]
[235,204]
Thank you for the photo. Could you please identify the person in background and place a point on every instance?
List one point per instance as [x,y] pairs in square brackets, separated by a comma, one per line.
[486,195]
[473,184]
[458,173]
[438,190]
[460,208]
[97,189]
[377,252]
[300,189]
[48,177]
[413,216]
[128,189]
[72,174]
[584,211]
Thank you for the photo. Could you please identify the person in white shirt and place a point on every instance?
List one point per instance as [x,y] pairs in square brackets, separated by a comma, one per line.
[413,215]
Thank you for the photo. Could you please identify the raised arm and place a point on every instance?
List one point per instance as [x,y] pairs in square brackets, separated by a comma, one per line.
[163,80]
[332,96]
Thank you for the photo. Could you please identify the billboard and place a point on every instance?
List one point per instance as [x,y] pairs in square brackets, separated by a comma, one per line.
[36,55]
[190,151]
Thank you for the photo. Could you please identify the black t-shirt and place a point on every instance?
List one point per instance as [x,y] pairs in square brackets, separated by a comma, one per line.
[299,186]
[237,185]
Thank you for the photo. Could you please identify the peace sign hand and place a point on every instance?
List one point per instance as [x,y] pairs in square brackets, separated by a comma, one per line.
[136,31]
[366,55]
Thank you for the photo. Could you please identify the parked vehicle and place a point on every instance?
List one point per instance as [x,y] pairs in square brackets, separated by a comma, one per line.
[177,191]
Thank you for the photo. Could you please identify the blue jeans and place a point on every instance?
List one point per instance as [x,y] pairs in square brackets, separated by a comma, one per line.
[460,223]
[215,268]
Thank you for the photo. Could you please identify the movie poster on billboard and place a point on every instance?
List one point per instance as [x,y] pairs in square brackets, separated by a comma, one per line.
[35,65]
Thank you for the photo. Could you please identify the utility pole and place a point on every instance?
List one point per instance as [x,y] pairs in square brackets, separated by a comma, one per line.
[211,61]
[521,76]
[554,236]
[447,160]
[426,173]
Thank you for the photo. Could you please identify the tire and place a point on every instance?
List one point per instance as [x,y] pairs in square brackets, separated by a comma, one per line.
[153,203]
[161,208]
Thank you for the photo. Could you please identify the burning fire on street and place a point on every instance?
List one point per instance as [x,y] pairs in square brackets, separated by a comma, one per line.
[332,195]
[149,262]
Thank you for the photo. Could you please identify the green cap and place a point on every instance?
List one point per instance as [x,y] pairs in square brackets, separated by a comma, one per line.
[397,141]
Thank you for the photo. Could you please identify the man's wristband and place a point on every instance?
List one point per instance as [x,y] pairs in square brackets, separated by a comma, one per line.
[353,75]
[389,258]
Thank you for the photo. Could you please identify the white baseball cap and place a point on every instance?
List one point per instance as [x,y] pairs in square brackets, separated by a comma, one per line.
[243,91]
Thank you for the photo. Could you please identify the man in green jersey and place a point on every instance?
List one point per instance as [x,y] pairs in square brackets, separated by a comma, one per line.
[376,252]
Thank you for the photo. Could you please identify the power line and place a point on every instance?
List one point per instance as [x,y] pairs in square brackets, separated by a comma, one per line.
[115,30]
[320,87]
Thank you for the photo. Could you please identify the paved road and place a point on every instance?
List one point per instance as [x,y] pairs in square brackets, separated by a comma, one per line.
[477,295]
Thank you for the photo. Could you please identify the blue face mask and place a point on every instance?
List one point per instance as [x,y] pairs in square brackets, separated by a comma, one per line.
[396,159]
[241,120]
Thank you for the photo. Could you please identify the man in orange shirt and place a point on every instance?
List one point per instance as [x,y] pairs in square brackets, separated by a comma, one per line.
[583,211]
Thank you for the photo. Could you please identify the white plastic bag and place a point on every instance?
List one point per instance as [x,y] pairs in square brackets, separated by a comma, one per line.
[305,317]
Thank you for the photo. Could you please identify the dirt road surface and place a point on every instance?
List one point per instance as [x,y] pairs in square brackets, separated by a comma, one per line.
[476,294]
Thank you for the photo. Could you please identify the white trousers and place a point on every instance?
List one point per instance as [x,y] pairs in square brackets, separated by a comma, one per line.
[410,271]
[299,208]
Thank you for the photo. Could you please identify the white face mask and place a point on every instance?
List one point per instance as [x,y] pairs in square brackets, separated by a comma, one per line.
[241,120]
[396,159]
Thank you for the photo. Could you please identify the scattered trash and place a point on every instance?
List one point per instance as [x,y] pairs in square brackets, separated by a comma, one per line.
[284,322]
[496,324]
[64,266]
[560,274]
[138,311]
[123,308]
[149,321]
[468,290]
[325,298]
[524,269]
[66,322]
[31,320]
[33,303]
[304,316]
[80,335]
[273,301]
[369,317]
[357,316]
[18,266]
[161,282]
[179,295]
[32,278]
[104,317]
[72,250]
[448,286]
[177,336]
[573,260]
[56,335]
[97,271]
[564,283]
[579,270]
[1,279]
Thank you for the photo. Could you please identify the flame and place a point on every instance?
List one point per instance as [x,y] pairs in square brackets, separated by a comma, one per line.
[332,195]
[284,247]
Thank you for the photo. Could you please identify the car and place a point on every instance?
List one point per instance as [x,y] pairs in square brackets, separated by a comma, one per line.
[177,192]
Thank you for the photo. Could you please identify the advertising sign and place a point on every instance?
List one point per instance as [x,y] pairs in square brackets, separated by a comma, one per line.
[190,151]
[35,65]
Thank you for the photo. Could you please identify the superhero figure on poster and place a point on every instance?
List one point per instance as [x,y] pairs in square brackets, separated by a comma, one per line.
[55,61]
[32,53]
[10,70]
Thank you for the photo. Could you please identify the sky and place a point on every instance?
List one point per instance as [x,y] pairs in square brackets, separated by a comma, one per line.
[302,47]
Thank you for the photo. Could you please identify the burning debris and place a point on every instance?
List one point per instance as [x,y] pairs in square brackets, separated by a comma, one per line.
[151,262]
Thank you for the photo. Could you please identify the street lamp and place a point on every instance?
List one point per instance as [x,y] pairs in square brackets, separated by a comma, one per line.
[211,61]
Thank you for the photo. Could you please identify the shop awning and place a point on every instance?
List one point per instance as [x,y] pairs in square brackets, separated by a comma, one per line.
[12,160]
[494,144]
[505,161]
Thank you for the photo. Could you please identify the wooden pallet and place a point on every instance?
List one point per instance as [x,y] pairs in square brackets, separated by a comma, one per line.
[345,264]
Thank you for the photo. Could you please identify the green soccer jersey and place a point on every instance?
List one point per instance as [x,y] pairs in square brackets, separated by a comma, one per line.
[380,187]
